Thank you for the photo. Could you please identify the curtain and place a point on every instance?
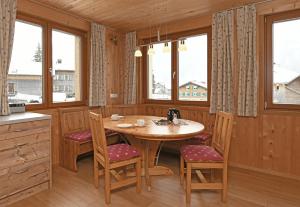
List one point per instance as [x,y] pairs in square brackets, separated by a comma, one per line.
[97,93]
[247,66]
[7,28]
[130,69]
[222,62]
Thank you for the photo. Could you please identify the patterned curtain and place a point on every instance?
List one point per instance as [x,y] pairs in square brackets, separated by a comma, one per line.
[222,62]
[247,66]
[7,29]
[130,69]
[97,93]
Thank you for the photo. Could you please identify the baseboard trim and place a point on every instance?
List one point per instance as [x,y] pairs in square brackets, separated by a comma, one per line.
[264,171]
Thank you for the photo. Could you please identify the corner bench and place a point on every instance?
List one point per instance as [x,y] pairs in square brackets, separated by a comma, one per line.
[77,136]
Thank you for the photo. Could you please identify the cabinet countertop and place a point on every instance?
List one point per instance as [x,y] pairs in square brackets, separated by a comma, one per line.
[22,117]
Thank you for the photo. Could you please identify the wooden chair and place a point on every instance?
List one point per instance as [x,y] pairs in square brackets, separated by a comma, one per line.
[112,157]
[198,157]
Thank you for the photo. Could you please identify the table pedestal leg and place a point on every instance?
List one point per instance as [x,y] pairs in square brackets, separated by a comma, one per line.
[149,150]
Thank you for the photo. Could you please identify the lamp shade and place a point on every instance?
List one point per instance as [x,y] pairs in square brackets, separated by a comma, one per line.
[138,53]
[182,46]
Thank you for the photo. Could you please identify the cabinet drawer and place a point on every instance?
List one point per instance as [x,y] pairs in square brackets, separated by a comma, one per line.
[22,129]
[24,153]
[21,177]
[16,142]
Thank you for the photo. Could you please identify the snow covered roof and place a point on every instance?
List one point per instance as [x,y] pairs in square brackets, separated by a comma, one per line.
[194,82]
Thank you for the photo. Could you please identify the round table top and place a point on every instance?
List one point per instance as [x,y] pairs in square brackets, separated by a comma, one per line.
[151,131]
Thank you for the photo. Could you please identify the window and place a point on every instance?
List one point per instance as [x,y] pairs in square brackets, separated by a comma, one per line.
[283,63]
[159,70]
[39,83]
[25,76]
[66,60]
[192,65]
[173,75]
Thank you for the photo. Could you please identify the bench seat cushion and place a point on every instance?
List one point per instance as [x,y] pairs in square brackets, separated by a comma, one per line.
[201,138]
[200,153]
[86,135]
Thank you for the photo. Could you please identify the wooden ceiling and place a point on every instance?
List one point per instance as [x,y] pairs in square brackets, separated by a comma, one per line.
[129,15]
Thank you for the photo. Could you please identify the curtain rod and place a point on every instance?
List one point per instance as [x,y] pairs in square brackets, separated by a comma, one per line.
[238,7]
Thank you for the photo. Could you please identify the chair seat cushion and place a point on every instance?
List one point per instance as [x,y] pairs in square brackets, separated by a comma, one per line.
[81,136]
[201,138]
[120,152]
[200,153]
[86,135]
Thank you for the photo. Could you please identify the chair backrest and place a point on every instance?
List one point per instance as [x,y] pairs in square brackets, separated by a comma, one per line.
[222,133]
[98,135]
[73,119]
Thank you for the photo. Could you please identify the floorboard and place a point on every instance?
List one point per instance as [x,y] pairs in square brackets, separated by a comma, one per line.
[246,189]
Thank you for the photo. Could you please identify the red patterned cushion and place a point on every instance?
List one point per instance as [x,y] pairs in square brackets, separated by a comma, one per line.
[87,135]
[204,136]
[119,152]
[200,138]
[200,153]
[80,136]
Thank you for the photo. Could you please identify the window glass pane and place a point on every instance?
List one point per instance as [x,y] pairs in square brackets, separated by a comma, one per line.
[286,62]
[66,66]
[192,78]
[25,76]
[159,73]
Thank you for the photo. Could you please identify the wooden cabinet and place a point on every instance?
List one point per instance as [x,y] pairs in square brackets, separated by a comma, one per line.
[25,159]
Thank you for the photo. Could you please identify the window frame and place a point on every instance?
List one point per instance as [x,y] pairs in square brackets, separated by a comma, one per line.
[175,67]
[47,27]
[268,94]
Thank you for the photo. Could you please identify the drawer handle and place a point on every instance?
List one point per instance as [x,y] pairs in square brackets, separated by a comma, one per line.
[22,171]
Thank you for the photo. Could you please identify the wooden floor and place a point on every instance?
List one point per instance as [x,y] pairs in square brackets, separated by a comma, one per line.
[246,189]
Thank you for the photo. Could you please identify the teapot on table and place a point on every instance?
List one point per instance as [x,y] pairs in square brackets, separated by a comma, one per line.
[171,113]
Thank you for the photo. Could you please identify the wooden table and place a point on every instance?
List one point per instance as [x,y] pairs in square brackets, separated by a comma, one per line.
[148,138]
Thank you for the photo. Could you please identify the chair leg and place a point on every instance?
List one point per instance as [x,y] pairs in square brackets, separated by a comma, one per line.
[181,170]
[138,176]
[225,184]
[96,173]
[188,182]
[107,185]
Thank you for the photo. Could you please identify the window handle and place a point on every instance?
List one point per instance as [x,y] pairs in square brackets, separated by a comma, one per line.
[174,73]
[52,71]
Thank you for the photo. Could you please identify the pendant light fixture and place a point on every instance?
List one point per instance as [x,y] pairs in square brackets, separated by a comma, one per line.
[182,46]
[151,50]
[138,52]
[166,48]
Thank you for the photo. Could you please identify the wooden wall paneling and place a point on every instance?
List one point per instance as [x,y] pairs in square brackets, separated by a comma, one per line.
[295,168]
[115,65]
